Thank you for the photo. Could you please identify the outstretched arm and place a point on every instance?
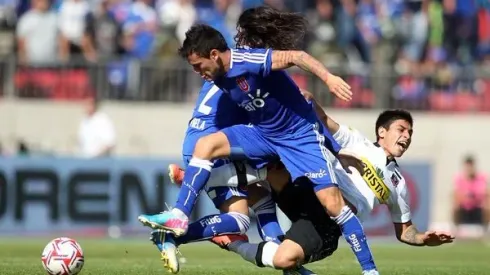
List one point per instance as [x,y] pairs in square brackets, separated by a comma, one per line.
[331,124]
[408,233]
[285,59]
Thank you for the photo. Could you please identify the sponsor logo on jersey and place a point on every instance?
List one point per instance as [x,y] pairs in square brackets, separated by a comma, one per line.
[374,178]
[316,175]
[256,101]
[242,84]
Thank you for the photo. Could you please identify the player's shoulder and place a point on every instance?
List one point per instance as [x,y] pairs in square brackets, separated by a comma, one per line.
[397,178]
[250,51]
[244,56]
[207,85]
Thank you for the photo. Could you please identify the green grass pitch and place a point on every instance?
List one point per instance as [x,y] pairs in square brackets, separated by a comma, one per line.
[22,256]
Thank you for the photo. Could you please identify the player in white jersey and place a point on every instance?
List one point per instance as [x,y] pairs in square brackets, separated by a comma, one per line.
[312,236]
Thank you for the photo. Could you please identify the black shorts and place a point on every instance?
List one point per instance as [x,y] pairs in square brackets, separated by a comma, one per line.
[472,216]
[311,227]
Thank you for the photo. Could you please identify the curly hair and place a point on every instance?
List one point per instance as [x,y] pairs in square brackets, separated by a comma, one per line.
[201,39]
[266,27]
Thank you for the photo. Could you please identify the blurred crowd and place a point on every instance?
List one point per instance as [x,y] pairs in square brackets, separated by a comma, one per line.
[430,45]
[414,30]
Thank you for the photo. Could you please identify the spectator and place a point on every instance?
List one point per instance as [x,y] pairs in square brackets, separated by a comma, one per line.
[37,34]
[96,134]
[471,198]
[414,30]
[139,30]
[461,37]
[222,16]
[8,20]
[348,31]
[176,17]
[103,34]
[72,14]
[22,148]
[322,37]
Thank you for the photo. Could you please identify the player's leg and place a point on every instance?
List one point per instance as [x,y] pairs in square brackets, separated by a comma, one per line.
[259,197]
[207,148]
[235,140]
[303,243]
[316,164]
[233,219]
[260,201]
[226,188]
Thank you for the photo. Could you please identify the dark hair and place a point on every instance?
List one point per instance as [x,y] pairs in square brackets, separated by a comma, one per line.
[386,118]
[266,27]
[469,159]
[201,39]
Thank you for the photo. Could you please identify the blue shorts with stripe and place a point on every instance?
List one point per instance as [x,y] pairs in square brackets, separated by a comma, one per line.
[302,151]
[220,194]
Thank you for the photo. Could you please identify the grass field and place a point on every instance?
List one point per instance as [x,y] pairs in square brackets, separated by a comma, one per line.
[102,257]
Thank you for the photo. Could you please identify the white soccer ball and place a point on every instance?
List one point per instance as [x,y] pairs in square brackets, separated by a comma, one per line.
[63,256]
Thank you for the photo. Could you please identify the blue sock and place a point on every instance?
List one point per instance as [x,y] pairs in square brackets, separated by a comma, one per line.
[213,225]
[267,224]
[196,177]
[354,235]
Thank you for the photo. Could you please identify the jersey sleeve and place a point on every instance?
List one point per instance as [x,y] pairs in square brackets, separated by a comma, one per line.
[255,61]
[399,207]
[346,136]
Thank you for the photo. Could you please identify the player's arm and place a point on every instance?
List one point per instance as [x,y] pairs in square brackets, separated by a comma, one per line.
[262,61]
[344,135]
[405,230]
[285,59]
[409,234]
[331,124]
[338,136]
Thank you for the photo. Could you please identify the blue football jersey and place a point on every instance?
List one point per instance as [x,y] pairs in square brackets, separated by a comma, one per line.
[272,100]
[213,112]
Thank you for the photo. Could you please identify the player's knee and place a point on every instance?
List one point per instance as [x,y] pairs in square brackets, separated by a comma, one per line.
[284,263]
[204,148]
[332,200]
[285,260]
[242,220]
[288,255]
[212,146]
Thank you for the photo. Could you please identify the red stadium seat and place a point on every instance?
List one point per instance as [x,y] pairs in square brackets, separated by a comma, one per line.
[441,101]
[466,101]
[53,83]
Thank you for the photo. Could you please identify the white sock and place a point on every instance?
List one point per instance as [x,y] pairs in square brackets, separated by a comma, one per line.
[268,252]
[177,212]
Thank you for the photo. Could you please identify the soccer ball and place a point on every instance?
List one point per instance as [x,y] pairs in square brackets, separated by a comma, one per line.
[62,256]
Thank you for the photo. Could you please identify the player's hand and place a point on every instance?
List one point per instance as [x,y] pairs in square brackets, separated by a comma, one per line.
[339,87]
[349,159]
[434,238]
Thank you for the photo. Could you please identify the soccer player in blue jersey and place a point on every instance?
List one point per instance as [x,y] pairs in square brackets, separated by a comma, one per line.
[211,114]
[284,126]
